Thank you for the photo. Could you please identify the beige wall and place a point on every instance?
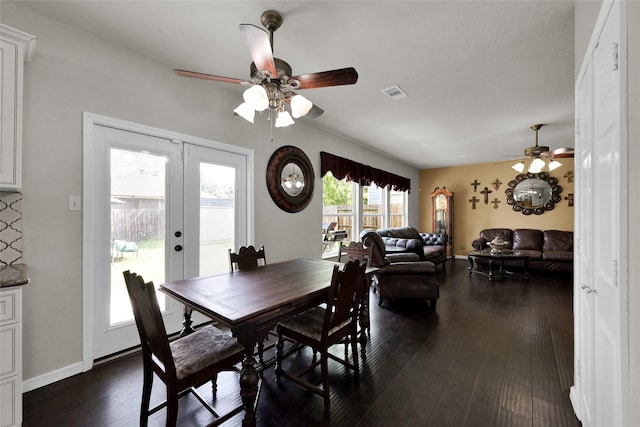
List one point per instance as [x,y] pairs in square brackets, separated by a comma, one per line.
[468,222]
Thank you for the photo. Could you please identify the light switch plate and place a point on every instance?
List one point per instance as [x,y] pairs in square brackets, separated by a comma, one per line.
[74,203]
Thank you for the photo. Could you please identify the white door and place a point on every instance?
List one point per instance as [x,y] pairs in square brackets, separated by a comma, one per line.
[585,361]
[164,209]
[610,215]
[600,395]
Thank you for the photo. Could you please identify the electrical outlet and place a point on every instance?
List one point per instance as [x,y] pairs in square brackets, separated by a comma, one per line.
[74,203]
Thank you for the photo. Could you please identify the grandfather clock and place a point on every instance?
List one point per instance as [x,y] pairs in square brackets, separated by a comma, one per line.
[442,209]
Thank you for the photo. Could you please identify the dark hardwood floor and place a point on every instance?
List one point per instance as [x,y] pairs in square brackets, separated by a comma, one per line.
[496,354]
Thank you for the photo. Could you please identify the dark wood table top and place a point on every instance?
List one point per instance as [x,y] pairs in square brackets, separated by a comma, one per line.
[238,297]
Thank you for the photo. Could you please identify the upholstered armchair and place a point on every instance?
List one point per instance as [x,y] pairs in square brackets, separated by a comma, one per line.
[400,279]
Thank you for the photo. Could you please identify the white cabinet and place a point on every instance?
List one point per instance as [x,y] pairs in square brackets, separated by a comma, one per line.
[16,47]
[11,356]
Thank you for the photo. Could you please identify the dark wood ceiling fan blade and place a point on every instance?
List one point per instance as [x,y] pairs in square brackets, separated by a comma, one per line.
[259,46]
[204,76]
[342,76]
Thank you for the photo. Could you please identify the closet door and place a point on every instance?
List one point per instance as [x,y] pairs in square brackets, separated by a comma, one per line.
[600,395]
[609,149]
[584,365]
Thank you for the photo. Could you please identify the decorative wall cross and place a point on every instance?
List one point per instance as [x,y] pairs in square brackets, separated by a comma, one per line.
[496,184]
[495,202]
[486,192]
[475,184]
[569,176]
[569,198]
[473,201]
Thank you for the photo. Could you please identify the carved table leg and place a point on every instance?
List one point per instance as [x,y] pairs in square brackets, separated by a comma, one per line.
[249,390]
[186,323]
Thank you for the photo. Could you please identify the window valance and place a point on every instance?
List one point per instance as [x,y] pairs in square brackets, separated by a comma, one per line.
[362,174]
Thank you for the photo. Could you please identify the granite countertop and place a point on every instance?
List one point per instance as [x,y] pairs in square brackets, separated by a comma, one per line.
[13,275]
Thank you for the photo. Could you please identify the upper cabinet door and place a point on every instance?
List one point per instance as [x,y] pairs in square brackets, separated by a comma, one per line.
[16,47]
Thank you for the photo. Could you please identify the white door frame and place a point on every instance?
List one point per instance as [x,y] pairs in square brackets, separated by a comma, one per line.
[88,229]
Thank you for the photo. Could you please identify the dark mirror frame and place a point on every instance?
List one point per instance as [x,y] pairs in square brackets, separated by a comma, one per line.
[279,159]
[538,210]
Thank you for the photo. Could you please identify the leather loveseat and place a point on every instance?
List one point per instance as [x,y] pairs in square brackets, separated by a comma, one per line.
[413,279]
[549,250]
[428,246]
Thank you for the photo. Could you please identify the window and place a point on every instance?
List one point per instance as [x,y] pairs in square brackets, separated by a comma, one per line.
[349,208]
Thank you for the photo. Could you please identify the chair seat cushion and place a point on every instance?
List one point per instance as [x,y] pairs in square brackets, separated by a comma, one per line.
[309,323]
[203,348]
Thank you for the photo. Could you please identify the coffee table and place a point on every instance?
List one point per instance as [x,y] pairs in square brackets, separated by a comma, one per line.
[498,260]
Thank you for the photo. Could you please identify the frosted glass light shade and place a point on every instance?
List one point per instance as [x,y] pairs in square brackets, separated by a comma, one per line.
[283,119]
[554,164]
[536,165]
[245,111]
[518,167]
[300,106]
[256,97]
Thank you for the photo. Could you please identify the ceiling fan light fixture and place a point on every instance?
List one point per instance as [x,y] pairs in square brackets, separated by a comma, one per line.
[256,97]
[518,167]
[283,119]
[536,165]
[554,164]
[300,106]
[245,111]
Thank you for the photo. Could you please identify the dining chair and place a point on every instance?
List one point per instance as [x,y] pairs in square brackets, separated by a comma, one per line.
[322,327]
[183,364]
[358,251]
[247,258]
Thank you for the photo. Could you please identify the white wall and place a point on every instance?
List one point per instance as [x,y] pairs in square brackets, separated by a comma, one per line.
[74,72]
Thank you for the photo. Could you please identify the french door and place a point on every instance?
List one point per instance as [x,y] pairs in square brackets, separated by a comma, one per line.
[163,208]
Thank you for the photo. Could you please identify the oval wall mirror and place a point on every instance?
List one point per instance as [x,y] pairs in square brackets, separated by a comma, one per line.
[290,178]
[533,193]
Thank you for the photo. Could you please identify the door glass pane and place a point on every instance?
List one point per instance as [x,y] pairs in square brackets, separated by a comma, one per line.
[217,217]
[138,200]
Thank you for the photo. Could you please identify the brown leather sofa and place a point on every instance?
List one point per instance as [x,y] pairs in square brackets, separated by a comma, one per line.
[428,246]
[549,250]
[412,279]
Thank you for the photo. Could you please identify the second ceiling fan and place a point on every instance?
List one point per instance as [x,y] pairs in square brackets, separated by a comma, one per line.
[539,153]
[272,85]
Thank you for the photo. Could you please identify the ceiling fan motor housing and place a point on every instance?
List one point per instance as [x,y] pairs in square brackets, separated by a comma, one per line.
[535,151]
[282,67]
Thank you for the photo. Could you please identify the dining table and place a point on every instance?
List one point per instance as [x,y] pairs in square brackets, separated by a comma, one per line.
[252,302]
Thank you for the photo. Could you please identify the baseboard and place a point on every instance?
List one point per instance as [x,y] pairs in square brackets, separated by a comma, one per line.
[51,377]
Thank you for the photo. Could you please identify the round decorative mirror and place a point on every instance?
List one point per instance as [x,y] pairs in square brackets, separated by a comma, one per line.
[290,178]
[533,193]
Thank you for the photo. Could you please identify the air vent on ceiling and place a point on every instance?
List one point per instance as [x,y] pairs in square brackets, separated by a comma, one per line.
[394,92]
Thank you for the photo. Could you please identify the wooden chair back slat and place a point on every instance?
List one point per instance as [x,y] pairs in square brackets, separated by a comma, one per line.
[247,258]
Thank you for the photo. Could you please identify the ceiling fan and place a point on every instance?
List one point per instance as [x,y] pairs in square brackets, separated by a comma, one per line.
[272,84]
[541,156]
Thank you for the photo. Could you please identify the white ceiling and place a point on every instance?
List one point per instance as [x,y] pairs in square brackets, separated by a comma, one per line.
[478,73]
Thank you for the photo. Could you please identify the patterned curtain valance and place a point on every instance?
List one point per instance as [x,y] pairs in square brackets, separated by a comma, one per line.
[362,174]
